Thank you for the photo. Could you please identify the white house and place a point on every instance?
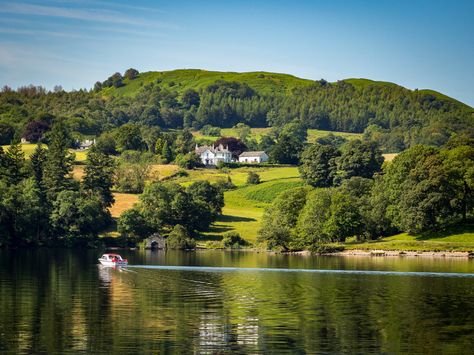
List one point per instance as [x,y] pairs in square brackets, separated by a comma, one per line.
[253,157]
[211,155]
[84,145]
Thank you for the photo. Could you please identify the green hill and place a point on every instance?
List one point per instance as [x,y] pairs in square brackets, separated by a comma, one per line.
[398,117]
[183,79]
[264,83]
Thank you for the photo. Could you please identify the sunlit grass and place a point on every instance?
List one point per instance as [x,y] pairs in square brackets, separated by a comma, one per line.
[456,238]
[257,133]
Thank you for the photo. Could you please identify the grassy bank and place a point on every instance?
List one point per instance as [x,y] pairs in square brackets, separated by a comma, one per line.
[456,238]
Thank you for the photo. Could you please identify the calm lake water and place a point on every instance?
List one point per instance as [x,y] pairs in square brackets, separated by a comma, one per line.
[55,301]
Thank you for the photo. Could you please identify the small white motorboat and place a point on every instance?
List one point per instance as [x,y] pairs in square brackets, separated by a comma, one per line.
[113,260]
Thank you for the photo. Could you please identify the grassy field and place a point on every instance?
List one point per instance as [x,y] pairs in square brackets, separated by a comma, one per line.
[29,148]
[257,133]
[458,238]
[122,203]
[244,206]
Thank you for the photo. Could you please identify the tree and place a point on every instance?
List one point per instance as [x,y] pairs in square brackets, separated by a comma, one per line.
[166,152]
[253,178]
[208,130]
[131,223]
[7,132]
[388,190]
[318,165]
[209,195]
[59,163]
[426,198]
[188,161]
[99,176]
[115,80]
[279,220]
[328,216]
[190,98]
[106,144]
[128,137]
[359,159]
[164,205]
[37,166]
[185,142]
[459,162]
[179,238]
[14,164]
[35,130]
[131,74]
[243,131]
[289,144]
[19,207]
[235,145]
[74,215]
[130,176]
[331,139]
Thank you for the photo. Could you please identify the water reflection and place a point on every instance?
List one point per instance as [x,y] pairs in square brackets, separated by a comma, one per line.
[60,301]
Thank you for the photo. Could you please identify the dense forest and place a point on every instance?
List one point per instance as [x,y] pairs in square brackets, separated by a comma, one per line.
[350,193]
[395,117]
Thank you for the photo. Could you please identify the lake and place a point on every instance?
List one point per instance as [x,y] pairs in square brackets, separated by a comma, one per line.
[60,301]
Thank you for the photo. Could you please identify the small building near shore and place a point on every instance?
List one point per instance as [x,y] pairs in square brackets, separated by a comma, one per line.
[155,241]
[253,157]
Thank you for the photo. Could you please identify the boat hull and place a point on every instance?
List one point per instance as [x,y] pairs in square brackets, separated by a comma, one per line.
[113,264]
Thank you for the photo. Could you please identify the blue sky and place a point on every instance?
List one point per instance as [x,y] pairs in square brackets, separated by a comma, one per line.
[417,44]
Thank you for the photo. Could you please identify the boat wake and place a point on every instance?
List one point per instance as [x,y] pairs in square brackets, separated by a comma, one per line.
[314,271]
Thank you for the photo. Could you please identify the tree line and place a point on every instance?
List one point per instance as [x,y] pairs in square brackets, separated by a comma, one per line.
[394,117]
[42,204]
[349,193]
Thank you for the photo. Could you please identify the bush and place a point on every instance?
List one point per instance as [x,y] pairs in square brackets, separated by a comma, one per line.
[233,240]
[253,178]
[225,184]
[208,130]
[179,238]
[188,161]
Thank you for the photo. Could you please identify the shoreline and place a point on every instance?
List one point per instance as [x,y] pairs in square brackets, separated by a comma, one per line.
[400,253]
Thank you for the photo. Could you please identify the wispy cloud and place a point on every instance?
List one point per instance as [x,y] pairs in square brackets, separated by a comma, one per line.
[42,33]
[94,15]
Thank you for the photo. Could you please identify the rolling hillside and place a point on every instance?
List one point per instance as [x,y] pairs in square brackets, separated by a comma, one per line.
[263,82]
[183,79]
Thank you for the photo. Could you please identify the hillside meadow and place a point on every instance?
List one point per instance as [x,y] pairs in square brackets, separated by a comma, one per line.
[257,133]
[29,148]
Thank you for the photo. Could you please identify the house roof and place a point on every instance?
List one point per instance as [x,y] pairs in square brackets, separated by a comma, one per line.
[219,149]
[252,154]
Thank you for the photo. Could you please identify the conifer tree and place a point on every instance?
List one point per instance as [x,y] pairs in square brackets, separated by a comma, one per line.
[15,163]
[59,162]
[99,176]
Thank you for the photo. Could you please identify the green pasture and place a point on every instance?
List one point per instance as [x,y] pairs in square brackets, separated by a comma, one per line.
[29,148]
[257,133]
[456,238]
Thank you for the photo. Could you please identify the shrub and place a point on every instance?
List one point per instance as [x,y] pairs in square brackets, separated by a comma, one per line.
[208,130]
[179,238]
[253,178]
[233,240]
[188,161]
[225,184]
